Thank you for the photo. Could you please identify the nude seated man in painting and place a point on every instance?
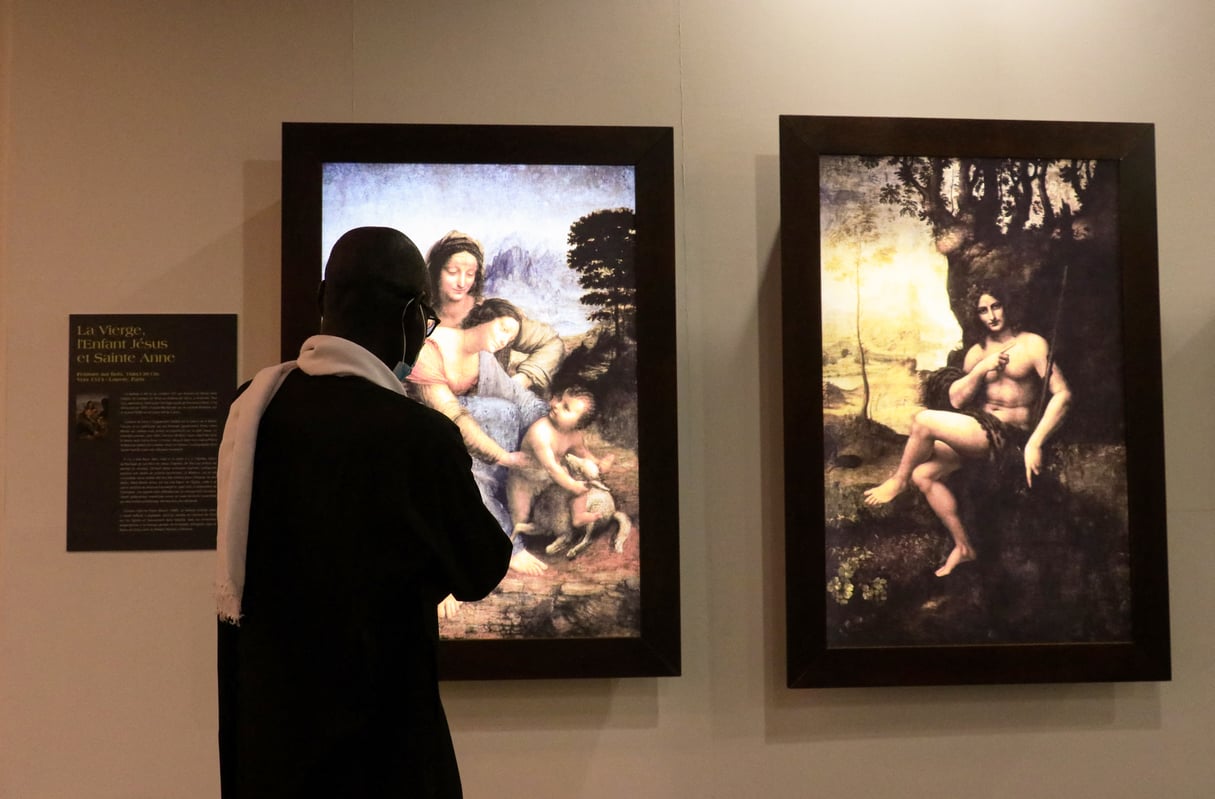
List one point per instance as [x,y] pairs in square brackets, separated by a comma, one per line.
[995,400]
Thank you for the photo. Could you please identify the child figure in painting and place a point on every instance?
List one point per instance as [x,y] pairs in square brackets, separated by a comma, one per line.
[545,446]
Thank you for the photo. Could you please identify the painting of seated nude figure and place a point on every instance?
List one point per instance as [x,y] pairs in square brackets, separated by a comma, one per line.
[974,460]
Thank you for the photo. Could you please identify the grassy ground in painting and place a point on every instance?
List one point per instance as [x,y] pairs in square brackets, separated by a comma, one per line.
[1053,560]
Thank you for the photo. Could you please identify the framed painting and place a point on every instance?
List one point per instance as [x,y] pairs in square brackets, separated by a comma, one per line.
[569,232]
[972,403]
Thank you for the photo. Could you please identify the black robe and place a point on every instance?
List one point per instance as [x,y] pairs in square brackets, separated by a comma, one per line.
[364,516]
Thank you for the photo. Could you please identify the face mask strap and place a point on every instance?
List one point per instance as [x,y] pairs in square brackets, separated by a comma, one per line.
[417,323]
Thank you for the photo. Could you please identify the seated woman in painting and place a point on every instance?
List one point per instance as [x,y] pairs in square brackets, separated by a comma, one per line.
[456,263]
[458,375]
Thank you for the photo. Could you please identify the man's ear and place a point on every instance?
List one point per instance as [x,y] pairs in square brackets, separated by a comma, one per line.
[320,300]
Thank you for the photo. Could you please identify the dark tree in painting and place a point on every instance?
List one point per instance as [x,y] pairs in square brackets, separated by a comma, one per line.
[1027,223]
[601,252]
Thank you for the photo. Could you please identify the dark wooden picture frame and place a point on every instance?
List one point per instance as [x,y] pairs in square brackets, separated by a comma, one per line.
[653,649]
[1070,581]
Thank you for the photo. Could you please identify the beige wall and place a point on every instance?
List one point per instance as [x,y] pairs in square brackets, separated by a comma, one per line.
[140,147]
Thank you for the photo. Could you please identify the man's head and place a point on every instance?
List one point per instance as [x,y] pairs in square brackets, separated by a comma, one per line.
[991,313]
[994,306]
[371,275]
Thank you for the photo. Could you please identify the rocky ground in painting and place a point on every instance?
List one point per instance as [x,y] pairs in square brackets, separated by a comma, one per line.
[1053,561]
[598,595]
[595,595]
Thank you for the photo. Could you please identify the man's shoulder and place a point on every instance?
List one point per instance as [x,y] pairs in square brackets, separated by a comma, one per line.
[404,410]
[973,354]
[364,402]
[1032,341]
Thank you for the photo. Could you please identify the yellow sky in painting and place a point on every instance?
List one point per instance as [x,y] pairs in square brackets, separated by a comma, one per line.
[896,298]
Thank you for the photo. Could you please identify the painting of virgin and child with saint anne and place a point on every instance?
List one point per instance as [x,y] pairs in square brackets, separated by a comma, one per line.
[532,277]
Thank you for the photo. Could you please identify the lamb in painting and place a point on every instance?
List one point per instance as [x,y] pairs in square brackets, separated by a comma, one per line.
[558,513]
[590,511]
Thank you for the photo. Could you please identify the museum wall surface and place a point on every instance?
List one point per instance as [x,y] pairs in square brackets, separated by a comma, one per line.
[140,158]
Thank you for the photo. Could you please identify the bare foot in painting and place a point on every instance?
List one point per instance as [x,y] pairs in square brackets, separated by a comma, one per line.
[525,562]
[881,494]
[957,557]
[449,608]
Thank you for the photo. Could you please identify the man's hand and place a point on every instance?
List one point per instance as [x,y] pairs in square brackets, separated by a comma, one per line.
[997,361]
[1033,463]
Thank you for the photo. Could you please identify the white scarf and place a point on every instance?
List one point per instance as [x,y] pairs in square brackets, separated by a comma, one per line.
[320,355]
